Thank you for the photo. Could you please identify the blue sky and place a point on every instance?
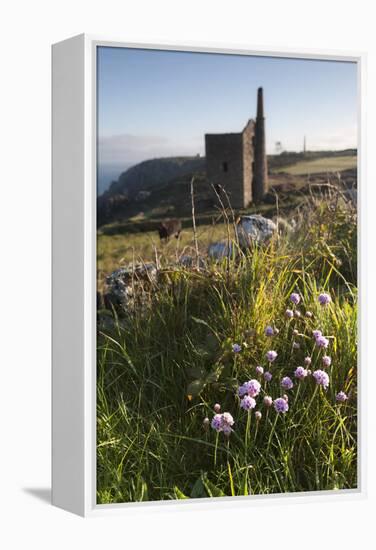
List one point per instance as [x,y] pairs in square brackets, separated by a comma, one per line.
[159,103]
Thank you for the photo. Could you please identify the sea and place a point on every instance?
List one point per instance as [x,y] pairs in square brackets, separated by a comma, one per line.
[107,173]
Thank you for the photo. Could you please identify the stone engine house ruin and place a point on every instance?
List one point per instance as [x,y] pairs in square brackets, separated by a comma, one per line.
[237,161]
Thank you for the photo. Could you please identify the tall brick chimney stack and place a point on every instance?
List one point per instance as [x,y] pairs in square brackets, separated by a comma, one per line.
[260,180]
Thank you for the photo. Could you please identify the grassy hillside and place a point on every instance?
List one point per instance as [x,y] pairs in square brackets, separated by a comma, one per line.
[160,188]
[315,166]
[289,158]
[163,366]
[121,248]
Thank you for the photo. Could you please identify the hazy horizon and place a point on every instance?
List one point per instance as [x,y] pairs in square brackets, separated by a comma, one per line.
[109,172]
[158,103]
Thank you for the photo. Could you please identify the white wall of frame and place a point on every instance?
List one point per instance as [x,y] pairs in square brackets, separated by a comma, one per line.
[28,30]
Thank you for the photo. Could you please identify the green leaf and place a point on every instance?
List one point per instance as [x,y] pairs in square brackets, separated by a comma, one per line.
[105,313]
[195,372]
[141,491]
[225,371]
[231,479]
[203,352]
[211,342]
[198,489]
[245,485]
[179,494]
[211,489]
[195,387]
[212,377]
[202,322]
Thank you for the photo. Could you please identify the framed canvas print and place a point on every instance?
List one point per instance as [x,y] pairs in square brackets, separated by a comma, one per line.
[206,275]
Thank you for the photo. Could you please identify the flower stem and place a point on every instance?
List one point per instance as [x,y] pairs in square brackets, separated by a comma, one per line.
[309,404]
[247,429]
[272,432]
[297,392]
[215,450]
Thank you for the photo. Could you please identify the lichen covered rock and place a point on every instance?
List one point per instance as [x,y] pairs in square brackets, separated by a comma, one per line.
[254,229]
[124,284]
[220,250]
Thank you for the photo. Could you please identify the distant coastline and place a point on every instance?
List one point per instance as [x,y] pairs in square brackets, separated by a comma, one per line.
[107,173]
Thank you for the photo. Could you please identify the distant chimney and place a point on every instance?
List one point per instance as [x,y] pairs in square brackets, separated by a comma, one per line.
[260,103]
[260,178]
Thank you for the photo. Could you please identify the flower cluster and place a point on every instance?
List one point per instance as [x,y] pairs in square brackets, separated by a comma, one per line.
[268,376]
[322,378]
[249,391]
[324,299]
[287,383]
[206,423]
[222,423]
[281,405]
[251,388]
[320,340]
[271,355]
[247,403]
[269,331]
[300,373]
[295,298]
[268,401]
[341,397]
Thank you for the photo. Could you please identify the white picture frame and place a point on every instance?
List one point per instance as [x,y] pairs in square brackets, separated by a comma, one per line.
[74,280]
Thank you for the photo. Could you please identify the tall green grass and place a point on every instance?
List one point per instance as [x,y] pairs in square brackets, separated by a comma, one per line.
[161,368]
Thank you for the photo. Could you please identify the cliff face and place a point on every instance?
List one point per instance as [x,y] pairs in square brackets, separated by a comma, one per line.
[148,174]
[157,187]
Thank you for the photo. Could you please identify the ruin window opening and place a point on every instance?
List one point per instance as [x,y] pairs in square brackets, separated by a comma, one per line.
[225,166]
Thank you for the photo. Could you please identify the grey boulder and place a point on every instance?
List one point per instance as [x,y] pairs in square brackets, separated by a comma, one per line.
[254,229]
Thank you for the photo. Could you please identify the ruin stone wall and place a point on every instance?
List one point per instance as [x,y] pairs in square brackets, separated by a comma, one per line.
[248,161]
[224,164]
[237,161]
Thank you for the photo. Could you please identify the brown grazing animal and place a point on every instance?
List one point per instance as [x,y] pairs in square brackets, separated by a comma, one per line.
[168,228]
